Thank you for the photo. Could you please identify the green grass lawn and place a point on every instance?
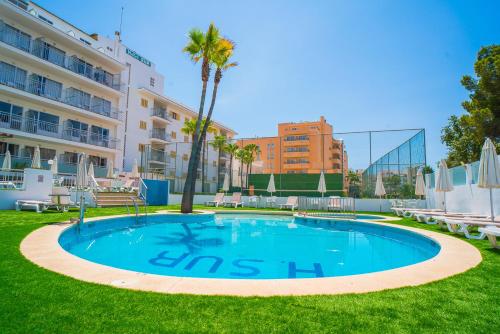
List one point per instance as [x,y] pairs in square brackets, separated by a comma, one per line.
[34,300]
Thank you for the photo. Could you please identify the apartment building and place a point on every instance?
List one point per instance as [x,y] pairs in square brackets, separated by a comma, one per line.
[305,147]
[69,92]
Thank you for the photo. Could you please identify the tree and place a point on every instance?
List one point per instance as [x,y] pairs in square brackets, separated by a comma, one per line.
[219,143]
[464,135]
[251,151]
[231,149]
[241,155]
[200,47]
[220,58]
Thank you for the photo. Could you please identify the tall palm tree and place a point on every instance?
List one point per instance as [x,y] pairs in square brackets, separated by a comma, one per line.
[220,57]
[241,155]
[252,151]
[231,149]
[219,143]
[200,47]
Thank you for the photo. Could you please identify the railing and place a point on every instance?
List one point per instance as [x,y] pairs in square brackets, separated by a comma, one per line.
[40,49]
[11,179]
[143,194]
[53,90]
[159,156]
[336,204]
[161,113]
[30,125]
[159,134]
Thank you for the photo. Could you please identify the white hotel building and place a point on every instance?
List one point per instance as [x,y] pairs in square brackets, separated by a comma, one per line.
[70,92]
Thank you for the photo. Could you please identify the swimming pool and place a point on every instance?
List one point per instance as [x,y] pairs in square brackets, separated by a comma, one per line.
[246,246]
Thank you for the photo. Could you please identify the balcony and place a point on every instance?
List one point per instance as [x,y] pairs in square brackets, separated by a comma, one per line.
[158,156]
[297,154]
[159,134]
[31,126]
[160,113]
[53,55]
[295,166]
[53,90]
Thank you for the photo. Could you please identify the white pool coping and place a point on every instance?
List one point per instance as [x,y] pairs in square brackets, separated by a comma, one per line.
[456,256]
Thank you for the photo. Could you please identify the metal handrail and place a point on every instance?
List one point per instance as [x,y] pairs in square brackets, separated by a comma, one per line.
[38,48]
[41,86]
[143,191]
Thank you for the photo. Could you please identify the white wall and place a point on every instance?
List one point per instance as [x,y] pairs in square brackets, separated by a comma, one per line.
[465,198]
[37,186]
[361,204]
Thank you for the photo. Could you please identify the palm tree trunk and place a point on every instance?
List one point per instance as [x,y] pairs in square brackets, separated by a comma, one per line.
[203,156]
[188,191]
[230,171]
[218,168]
[203,134]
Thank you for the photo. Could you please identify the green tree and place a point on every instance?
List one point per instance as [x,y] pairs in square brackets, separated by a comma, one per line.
[231,149]
[201,46]
[464,135]
[219,144]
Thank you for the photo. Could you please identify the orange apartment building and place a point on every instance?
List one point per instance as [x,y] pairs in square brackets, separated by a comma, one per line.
[306,147]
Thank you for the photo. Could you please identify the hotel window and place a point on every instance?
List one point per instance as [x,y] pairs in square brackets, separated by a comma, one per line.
[70,158]
[43,86]
[185,157]
[46,51]
[43,18]
[173,134]
[80,66]
[12,148]
[143,125]
[78,98]
[142,147]
[101,106]
[152,82]
[173,154]
[144,103]
[174,115]
[47,153]
[186,139]
[98,161]
[214,163]
[11,114]
[16,38]
[42,122]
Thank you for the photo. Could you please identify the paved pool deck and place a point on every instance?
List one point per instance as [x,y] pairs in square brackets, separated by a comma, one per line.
[456,256]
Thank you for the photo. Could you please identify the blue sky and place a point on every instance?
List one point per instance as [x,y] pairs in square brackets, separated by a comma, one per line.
[362,64]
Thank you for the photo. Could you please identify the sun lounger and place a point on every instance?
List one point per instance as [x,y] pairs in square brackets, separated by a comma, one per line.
[271,201]
[492,232]
[334,203]
[235,201]
[440,218]
[461,226]
[60,199]
[38,206]
[218,200]
[291,203]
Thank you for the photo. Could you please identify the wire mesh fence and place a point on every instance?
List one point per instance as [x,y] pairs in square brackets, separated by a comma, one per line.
[296,163]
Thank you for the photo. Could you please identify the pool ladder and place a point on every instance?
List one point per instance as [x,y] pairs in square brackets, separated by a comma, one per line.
[136,208]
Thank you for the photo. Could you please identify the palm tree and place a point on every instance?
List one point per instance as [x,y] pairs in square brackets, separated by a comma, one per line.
[220,56]
[219,143]
[241,155]
[200,47]
[231,149]
[189,128]
[252,151]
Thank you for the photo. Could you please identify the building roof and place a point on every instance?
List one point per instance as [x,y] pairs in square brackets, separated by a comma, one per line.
[185,108]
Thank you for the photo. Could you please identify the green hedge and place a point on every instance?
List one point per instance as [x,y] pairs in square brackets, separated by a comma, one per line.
[297,184]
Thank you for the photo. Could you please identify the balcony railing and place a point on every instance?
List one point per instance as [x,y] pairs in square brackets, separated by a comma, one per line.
[159,156]
[161,113]
[40,49]
[54,91]
[159,134]
[32,126]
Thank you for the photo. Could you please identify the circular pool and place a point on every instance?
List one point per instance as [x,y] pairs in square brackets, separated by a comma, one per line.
[246,246]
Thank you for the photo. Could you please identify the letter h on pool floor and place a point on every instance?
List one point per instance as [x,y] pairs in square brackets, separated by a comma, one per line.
[292,270]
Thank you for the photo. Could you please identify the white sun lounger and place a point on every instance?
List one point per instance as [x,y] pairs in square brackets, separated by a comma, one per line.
[218,200]
[492,232]
[235,201]
[38,206]
[292,202]
[461,226]
[334,203]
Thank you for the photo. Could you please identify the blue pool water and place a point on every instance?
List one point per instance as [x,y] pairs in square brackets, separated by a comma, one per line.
[246,246]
